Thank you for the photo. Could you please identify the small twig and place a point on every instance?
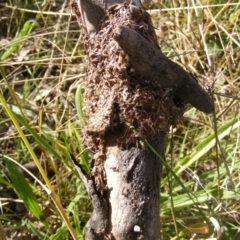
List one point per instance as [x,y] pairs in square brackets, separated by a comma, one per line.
[98,222]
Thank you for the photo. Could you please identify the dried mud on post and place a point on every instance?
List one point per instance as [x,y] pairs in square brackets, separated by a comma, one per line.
[117,99]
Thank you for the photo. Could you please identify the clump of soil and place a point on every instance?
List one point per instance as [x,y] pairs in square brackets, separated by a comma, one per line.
[122,107]
[117,100]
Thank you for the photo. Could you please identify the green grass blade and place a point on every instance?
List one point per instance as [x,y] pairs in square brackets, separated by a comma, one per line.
[38,138]
[54,197]
[24,190]
[201,197]
[79,104]
[27,28]
[40,234]
[61,234]
[14,117]
[3,181]
[206,145]
[45,130]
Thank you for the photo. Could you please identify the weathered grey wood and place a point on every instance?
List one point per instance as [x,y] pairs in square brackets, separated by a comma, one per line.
[99,219]
[133,179]
[154,65]
[92,12]
[129,209]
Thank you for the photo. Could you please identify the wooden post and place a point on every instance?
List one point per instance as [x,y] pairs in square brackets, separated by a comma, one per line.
[133,94]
